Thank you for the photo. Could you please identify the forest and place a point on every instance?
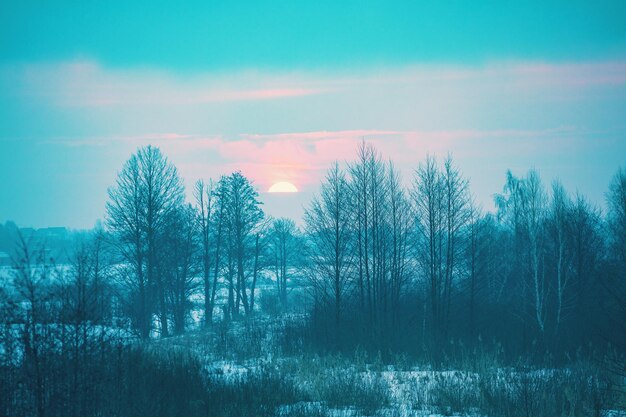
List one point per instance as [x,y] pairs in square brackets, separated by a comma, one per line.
[395,295]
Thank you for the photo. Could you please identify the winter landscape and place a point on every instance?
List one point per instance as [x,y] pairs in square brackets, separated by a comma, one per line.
[299,209]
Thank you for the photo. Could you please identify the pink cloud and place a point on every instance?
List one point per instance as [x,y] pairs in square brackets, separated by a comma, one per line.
[322,134]
[303,157]
[87,84]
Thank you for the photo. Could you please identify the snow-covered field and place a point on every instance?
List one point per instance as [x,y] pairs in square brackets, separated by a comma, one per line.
[251,352]
[358,385]
[344,390]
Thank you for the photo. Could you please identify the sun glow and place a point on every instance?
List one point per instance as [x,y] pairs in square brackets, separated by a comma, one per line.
[283,187]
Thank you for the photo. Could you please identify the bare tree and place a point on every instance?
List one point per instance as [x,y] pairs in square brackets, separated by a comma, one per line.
[400,228]
[523,207]
[147,191]
[32,273]
[178,264]
[220,226]
[84,294]
[125,211]
[379,219]
[615,283]
[244,216]
[472,256]
[283,239]
[204,195]
[359,195]
[559,225]
[534,204]
[588,248]
[441,201]
[427,196]
[616,200]
[457,214]
[260,259]
[327,223]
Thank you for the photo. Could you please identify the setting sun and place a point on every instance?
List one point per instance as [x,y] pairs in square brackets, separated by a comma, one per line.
[283,187]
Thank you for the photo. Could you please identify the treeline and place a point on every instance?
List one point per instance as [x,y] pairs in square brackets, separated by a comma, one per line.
[383,264]
[67,330]
[386,262]
[164,245]
[419,268]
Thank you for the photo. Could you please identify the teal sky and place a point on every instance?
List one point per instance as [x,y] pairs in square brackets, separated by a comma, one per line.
[281,88]
[205,35]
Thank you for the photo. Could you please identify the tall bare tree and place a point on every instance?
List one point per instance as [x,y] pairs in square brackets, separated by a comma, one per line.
[84,294]
[616,199]
[473,253]
[179,264]
[441,201]
[32,275]
[327,224]
[368,192]
[244,214]
[400,229]
[615,283]
[559,225]
[523,207]
[534,202]
[427,197]
[147,191]
[204,195]
[283,240]
[221,235]
[588,248]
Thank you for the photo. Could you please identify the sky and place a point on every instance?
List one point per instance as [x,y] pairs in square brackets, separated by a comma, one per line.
[281,89]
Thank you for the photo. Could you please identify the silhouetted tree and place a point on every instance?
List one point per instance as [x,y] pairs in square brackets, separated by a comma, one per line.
[441,202]
[32,276]
[400,228]
[282,247]
[179,263]
[243,216]
[205,199]
[327,223]
[147,191]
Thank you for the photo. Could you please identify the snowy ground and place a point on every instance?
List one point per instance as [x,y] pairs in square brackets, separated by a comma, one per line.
[354,386]
[399,393]
[359,386]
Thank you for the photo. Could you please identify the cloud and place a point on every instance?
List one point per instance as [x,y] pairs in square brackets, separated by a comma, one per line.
[303,157]
[88,84]
[290,126]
